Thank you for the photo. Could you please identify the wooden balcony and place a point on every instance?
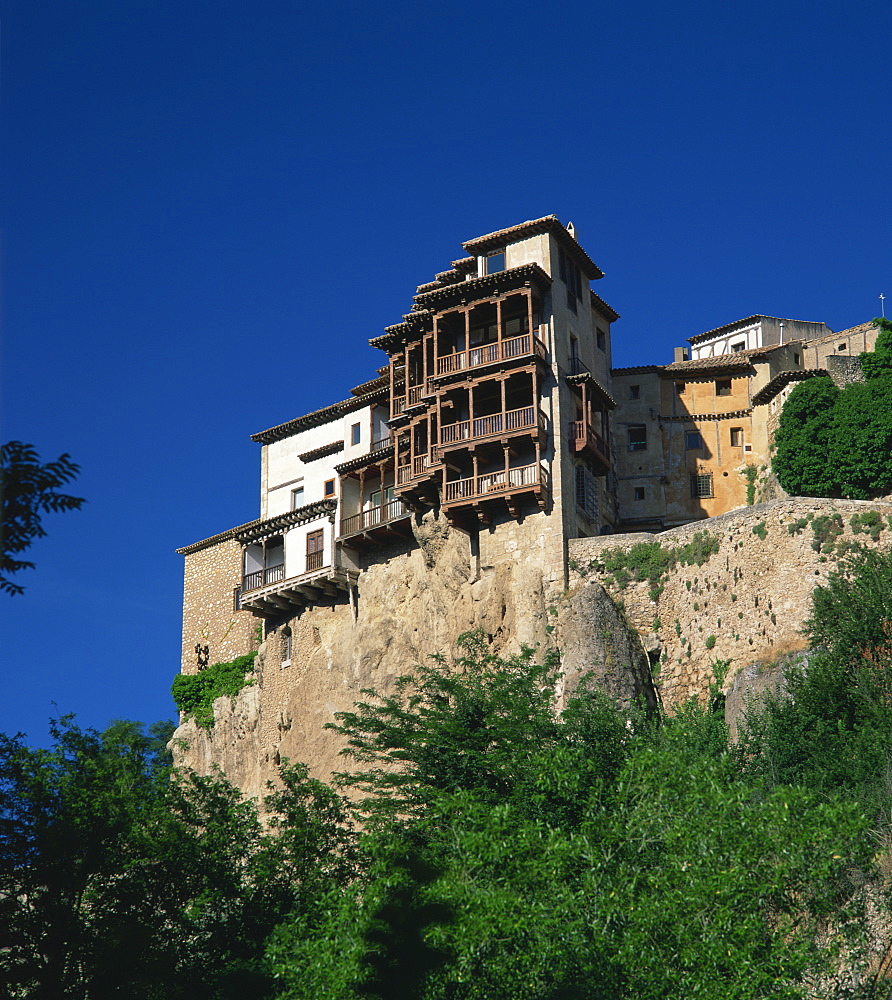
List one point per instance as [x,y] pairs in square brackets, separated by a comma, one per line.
[421,467]
[526,418]
[587,440]
[493,485]
[263,577]
[376,524]
[380,444]
[487,354]
[287,596]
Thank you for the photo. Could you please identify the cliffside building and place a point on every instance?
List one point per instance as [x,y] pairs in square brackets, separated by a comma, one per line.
[497,413]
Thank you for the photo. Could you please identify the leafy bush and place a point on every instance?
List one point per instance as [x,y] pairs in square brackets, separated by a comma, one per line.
[651,561]
[195,694]
[833,442]
[826,528]
[870,523]
[760,530]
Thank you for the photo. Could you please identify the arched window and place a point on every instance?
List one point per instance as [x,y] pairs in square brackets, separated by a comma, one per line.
[286,646]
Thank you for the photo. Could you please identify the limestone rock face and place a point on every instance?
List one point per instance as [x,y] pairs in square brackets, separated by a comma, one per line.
[595,641]
[413,600]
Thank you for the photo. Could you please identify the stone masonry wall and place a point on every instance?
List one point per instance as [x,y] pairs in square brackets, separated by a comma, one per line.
[209,615]
[746,604]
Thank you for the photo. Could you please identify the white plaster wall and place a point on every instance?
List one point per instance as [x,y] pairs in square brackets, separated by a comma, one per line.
[296,546]
[750,335]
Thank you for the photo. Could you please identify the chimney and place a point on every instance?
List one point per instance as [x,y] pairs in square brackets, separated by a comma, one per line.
[681,354]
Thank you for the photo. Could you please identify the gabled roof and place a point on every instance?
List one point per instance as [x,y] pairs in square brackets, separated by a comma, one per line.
[482,245]
[318,417]
[782,380]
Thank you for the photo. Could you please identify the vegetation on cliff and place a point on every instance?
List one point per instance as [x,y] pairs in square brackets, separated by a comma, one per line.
[833,442]
[503,853]
[195,694]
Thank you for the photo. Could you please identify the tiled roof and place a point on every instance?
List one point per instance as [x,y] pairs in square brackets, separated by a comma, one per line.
[318,417]
[599,389]
[327,449]
[853,331]
[272,526]
[223,536]
[599,303]
[637,370]
[379,382]
[721,362]
[547,224]
[370,458]
[482,287]
[782,380]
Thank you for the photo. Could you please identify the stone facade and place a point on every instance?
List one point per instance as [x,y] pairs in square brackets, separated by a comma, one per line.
[747,603]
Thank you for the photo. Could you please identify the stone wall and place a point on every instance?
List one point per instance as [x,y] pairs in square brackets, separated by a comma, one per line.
[746,604]
[209,616]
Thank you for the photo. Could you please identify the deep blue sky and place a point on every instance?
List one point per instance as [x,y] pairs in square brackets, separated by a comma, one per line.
[208,208]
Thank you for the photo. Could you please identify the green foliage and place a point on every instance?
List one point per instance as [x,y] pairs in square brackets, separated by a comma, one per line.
[709,643]
[878,363]
[601,856]
[798,525]
[195,694]
[652,562]
[27,490]
[750,473]
[826,528]
[839,443]
[121,879]
[760,530]
[870,523]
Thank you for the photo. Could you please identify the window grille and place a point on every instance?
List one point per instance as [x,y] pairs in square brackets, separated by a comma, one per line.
[692,439]
[587,493]
[701,485]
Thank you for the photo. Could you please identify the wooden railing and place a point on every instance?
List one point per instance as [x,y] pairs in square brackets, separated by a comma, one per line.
[420,464]
[494,423]
[403,474]
[496,482]
[372,517]
[397,405]
[514,347]
[583,432]
[263,577]
[380,444]
[315,560]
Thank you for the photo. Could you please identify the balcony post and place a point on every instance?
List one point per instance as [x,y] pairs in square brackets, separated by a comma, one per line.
[499,337]
[474,485]
[502,382]
[529,294]
[506,462]
[361,495]
[467,315]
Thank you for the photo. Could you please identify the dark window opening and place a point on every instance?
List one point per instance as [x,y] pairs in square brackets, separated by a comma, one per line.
[680,388]
[693,439]
[723,387]
[739,346]
[639,493]
[355,434]
[736,437]
[602,340]
[634,392]
[637,437]
[329,489]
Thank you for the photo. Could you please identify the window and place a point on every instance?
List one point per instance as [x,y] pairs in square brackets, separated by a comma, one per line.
[355,434]
[637,437]
[287,641]
[315,546]
[570,276]
[736,437]
[841,347]
[723,387]
[495,262]
[795,359]
[601,340]
[587,493]
[639,493]
[701,485]
[680,388]
[634,392]
[297,497]
[739,346]
[693,439]
[328,489]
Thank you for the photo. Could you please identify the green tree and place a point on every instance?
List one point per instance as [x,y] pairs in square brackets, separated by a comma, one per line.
[839,443]
[119,879]
[591,855]
[28,489]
